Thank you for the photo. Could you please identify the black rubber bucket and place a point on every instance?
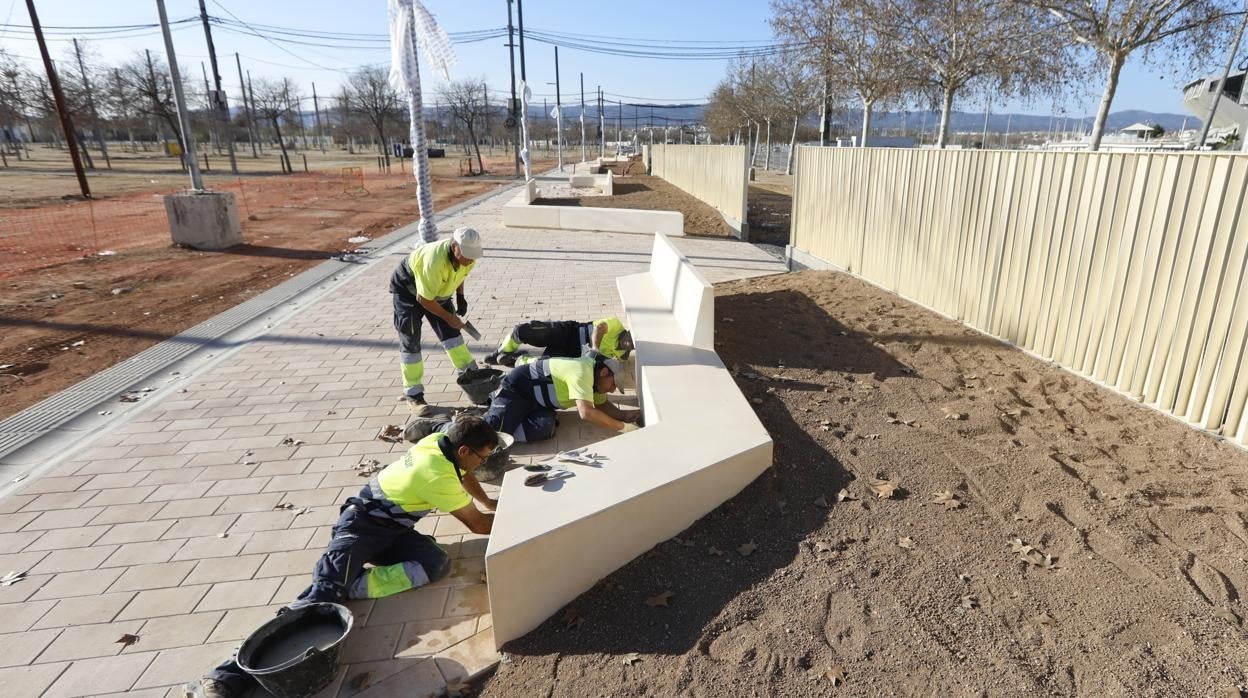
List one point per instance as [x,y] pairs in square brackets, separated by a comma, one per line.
[296,654]
[478,383]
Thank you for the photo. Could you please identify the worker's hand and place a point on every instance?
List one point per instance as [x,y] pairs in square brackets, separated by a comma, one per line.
[490,504]
[629,426]
[461,304]
[631,417]
[455,322]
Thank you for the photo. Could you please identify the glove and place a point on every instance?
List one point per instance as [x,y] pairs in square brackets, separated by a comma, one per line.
[629,426]
[461,305]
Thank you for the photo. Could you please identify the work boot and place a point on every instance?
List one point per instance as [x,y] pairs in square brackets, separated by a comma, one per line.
[491,359]
[207,688]
[419,428]
[418,406]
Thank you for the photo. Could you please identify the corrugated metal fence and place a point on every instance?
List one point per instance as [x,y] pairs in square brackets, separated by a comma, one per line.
[1128,268]
[715,174]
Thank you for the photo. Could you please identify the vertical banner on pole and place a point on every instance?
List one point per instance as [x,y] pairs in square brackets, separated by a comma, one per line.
[410,24]
[525,95]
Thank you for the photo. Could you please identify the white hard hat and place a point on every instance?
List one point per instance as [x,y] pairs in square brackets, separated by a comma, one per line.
[469,241]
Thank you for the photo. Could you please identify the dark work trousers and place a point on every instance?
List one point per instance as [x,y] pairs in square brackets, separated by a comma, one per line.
[515,411]
[356,539]
[560,338]
[408,315]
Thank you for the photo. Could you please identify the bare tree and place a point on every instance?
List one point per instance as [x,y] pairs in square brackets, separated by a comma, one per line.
[723,114]
[12,108]
[271,104]
[148,93]
[1012,48]
[466,102]
[1115,29]
[850,38]
[372,96]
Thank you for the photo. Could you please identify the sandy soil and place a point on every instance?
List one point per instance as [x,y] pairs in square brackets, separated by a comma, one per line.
[641,191]
[769,208]
[168,289]
[1124,581]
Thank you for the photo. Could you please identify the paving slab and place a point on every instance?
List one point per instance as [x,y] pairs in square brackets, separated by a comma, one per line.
[163,525]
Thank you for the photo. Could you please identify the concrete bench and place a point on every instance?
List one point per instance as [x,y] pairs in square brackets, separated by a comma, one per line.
[701,445]
[521,212]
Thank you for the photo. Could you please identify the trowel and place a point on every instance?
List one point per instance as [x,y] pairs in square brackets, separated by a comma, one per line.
[472,331]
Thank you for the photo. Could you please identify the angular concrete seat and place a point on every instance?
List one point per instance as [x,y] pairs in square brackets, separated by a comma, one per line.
[701,445]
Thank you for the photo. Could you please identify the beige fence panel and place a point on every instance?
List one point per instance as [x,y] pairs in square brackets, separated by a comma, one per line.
[1128,268]
[717,175]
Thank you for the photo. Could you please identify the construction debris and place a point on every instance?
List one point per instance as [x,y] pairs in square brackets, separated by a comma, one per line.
[368,467]
[391,433]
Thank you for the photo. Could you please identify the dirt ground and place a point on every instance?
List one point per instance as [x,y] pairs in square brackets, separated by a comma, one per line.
[769,208]
[48,176]
[121,304]
[1090,546]
[642,191]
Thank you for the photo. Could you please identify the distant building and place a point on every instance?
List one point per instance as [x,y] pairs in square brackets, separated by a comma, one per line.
[1232,114]
[1139,130]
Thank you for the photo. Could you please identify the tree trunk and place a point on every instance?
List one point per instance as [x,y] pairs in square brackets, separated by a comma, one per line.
[473,137]
[946,112]
[867,104]
[281,142]
[381,143]
[767,155]
[1111,86]
[792,143]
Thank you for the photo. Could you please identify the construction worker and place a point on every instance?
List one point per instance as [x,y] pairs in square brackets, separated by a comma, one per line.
[525,403]
[566,338]
[375,527]
[421,288]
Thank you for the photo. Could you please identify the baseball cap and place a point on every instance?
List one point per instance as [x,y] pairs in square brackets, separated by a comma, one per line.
[469,241]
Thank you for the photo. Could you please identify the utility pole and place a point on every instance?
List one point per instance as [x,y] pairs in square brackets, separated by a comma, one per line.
[251,121]
[520,16]
[212,132]
[602,130]
[1217,93]
[619,124]
[558,110]
[55,83]
[251,95]
[316,110]
[95,115]
[514,111]
[582,117]
[485,102]
[218,98]
[184,119]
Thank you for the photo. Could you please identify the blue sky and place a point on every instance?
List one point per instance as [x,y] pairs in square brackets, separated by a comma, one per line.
[633,79]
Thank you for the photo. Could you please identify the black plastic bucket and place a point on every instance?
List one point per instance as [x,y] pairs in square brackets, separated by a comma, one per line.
[296,654]
[478,383]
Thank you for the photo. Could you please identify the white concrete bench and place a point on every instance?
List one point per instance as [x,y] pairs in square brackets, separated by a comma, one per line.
[701,445]
[521,212]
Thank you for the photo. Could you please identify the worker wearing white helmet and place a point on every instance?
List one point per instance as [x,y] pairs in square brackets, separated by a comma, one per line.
[421,288]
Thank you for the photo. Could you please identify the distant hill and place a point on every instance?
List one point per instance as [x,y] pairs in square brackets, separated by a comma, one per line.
[961,120]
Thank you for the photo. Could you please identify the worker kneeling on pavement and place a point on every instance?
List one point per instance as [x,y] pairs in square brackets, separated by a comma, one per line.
[421,288]
[565,338]
[376,527]
[525,403]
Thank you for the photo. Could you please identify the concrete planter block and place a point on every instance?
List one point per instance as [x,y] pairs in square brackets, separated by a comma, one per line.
[204,221]
[711,444]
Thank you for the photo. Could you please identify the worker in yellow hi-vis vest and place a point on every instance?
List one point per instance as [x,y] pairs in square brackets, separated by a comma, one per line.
[376,528]
[422,287]
[564,338]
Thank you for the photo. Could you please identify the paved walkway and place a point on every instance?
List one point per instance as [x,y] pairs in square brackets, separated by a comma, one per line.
[167,528]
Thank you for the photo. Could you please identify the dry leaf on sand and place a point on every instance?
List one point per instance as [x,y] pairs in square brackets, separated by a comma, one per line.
[970,601]
[572,618]
[843,495]
[905,542]
[884,489]
[715,551]
[946,499]
[659,599]
[836,675]
[747,549]
[631,658]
